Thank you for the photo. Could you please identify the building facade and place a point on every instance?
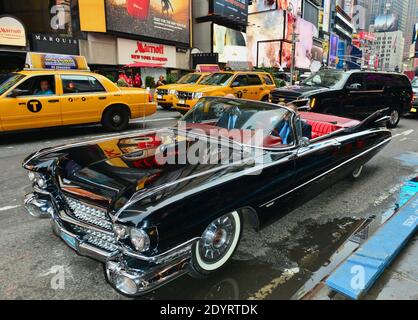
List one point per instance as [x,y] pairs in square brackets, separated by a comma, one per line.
[389,47]
[147,37]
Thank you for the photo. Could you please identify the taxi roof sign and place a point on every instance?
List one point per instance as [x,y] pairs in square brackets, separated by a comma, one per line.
[211,68]
[240,65]
[51,61]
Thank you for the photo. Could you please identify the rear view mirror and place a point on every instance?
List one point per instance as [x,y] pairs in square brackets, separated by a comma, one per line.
[235,84]
[18,93]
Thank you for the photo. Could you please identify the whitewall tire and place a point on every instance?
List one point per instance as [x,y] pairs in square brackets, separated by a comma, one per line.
[217,245]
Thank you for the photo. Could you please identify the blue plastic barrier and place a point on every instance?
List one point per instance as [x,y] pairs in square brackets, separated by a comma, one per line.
[358,274]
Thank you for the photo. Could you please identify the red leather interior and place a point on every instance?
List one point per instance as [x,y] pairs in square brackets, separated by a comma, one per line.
[271,141]
[320,129]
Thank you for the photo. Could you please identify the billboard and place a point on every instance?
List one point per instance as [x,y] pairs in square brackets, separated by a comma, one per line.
[415,34]
[266,26]
[140,53]
[304,54]
[231,45]
[333,50]
[258,6]
[161,19]
[269,54]
[236,10]
[386,23]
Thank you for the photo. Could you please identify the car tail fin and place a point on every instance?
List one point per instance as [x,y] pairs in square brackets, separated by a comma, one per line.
[378,119]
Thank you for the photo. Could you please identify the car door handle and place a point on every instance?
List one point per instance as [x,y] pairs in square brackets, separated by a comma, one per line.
[102,98]
[53,101]
[22,104]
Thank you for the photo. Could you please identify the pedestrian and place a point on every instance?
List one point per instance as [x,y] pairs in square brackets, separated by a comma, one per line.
[137,81]
[123,79]
[161,81]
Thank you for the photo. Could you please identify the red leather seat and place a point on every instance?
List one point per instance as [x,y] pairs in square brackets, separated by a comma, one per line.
[320,129]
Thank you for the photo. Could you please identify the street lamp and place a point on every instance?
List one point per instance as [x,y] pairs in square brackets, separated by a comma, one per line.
[295,40]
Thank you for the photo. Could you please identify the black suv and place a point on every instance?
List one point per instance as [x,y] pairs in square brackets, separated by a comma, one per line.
[352,94]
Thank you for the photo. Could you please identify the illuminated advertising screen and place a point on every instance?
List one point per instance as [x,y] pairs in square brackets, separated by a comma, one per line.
[231,45]
[386,23]
[262,6]
[304,48]
[236,10]
[263,27]
[161,19]
[333,49]
[269,54]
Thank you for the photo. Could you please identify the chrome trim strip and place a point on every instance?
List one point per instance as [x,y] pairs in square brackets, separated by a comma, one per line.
[271,202]
[84,249]
[168,255]
[64,217]
[138,197]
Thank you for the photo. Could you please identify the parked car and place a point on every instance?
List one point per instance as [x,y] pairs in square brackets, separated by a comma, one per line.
[242,84]
[414,108]
[164,95]
[352,94]
[152,221]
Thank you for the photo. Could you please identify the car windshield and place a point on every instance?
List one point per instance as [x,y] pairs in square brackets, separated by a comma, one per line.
[415,83]
[326,78]
[191,78]
[239,118]
[7,81]
[217,79]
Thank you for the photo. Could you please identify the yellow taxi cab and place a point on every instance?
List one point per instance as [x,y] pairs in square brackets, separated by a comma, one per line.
[60,90]
[164,95]
[243,84]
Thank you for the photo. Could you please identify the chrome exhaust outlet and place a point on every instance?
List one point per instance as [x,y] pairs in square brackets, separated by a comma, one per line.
[38,208]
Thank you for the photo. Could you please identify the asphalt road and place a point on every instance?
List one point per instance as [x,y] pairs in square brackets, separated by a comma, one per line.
[273,264]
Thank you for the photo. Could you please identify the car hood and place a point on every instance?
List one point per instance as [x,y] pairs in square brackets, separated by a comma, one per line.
[201,88]
[300,90]
[110,172]
[173,86]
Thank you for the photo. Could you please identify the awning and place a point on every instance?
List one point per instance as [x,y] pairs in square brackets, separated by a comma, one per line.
[144,65]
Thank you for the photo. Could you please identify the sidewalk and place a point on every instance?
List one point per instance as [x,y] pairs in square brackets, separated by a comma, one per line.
[400,280]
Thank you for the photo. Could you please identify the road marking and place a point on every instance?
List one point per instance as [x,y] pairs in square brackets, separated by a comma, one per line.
[405,133]
[9,208]
[153,120]
[267,290]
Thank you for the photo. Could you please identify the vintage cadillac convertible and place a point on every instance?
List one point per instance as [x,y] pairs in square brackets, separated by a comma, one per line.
[145,207]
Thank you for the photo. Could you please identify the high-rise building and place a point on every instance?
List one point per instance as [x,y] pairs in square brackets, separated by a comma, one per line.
[404,17]
[361,15]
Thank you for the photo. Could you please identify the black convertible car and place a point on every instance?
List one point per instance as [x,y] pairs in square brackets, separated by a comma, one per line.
[158,204]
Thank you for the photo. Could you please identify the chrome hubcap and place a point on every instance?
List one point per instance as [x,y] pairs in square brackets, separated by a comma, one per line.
[117,119]
[394,116]
[217,239]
